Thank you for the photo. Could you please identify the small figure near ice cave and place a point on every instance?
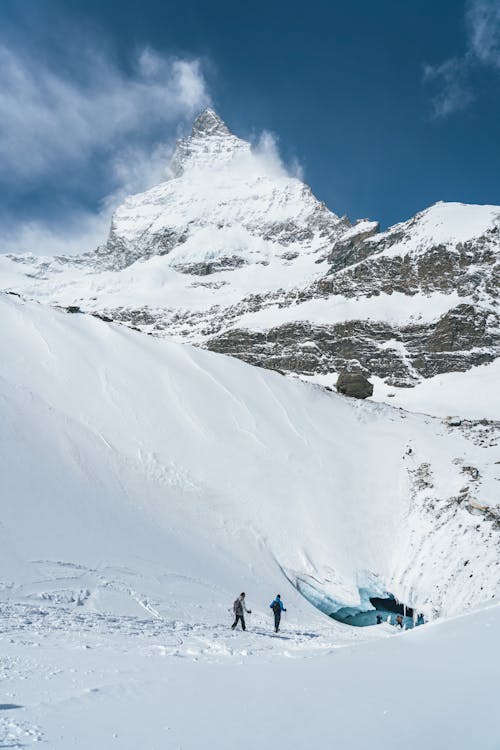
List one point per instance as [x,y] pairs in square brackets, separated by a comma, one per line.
[399,621]
[277,607]
[379,619]
[239,608]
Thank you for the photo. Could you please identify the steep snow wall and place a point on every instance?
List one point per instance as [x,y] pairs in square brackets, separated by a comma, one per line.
[124,449]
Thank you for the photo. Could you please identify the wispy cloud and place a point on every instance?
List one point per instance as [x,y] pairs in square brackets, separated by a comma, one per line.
[48,120]
[79,232]
[266,148]
[53,124]
[450,81]
[132,169]
[483,19]
[452,91]
[94,132]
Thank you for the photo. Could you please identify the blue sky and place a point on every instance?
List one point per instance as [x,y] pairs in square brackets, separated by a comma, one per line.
[387,106]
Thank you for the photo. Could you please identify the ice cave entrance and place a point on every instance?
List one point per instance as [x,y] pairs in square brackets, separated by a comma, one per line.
[382,610]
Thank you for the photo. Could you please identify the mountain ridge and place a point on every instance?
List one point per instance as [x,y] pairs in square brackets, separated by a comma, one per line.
[216,254]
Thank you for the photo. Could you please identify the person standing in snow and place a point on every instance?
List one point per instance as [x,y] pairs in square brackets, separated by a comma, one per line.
[278,608]
[239,608]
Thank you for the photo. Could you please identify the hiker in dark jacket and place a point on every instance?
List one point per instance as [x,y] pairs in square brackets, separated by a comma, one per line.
[278,608]
[239,608]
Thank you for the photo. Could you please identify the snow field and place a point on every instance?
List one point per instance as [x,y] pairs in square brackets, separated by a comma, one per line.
[433,687]
[395,308]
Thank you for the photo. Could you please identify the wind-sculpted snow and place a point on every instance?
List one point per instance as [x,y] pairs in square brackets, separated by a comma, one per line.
[233,254]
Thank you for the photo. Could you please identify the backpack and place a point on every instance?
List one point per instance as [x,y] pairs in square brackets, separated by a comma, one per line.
[276,607]
[236,606]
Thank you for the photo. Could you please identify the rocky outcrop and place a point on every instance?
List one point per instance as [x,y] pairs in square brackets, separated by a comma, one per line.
[209,267]
[470,270]
[402,356]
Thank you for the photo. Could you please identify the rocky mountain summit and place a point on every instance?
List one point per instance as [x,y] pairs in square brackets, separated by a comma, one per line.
[233,254]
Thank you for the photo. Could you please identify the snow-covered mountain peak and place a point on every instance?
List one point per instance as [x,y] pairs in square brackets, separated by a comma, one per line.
[209,123]
[211,145]
[226,205]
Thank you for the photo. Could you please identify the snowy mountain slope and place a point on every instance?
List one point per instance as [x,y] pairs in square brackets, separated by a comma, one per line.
[233,254]
[448,224]
[469,394]
[143,484]
[118,448]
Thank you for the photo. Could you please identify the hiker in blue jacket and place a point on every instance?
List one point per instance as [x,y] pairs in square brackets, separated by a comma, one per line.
[278,608]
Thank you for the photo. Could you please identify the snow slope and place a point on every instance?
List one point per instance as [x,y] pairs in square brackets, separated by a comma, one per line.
[396,308]
[130,439]
[144,484]
[471,394]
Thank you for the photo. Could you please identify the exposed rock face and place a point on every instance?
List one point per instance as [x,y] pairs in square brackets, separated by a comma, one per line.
[354,384]
[402,356]
[470,268]
[233,254]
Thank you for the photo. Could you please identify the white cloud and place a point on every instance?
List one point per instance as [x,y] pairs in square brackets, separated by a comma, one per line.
[451,79]
[81,232]
[48,121]
[53,125]
[132,169]
[266,148]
